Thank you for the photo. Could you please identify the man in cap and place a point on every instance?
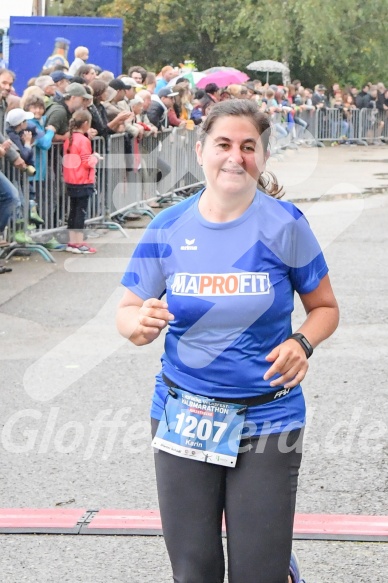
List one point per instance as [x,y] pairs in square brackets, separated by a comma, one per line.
[61,80]
[160,104]
[319,99]
[59,54]
[130,85]
[58,114]
[114,98]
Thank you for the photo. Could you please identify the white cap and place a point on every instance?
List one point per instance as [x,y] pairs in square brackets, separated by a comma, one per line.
[17,116]
[129,82]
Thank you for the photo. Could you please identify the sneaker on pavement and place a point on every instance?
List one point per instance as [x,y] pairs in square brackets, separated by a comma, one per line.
[80,248]
[22,238]
[295,569]
[54,245]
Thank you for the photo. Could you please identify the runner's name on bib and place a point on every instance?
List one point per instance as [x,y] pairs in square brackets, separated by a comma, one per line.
[200,429]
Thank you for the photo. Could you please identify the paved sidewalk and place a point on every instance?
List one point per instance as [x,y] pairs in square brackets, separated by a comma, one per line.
[75,397]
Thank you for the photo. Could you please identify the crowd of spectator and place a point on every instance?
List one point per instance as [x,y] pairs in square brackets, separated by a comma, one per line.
[138,103]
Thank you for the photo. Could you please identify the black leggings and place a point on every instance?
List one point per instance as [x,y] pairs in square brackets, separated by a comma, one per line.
[78,211]
[258,498]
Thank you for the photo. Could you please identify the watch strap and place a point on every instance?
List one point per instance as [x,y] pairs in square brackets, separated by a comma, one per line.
[302,340]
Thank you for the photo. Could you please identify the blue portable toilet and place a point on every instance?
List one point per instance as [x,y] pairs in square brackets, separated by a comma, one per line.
[32,41]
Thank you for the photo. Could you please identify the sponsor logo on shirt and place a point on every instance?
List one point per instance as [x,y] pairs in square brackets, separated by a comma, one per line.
[189,245]
[221,284]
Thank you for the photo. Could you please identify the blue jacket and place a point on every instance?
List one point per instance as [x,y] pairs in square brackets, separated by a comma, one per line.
[26,153]
[42,142]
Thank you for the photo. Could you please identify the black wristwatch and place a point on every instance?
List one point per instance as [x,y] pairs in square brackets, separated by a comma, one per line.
[305,344]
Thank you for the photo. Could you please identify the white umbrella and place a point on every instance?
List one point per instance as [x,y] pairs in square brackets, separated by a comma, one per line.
[268,67]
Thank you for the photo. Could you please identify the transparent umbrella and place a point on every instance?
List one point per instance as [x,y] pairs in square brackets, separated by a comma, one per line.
[268,67]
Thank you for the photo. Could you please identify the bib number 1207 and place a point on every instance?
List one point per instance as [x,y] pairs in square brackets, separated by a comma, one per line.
[200,429]
[190,426]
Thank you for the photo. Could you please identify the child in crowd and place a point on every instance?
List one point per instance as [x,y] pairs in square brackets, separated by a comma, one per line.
[79,162]
[43,141]
[23,136]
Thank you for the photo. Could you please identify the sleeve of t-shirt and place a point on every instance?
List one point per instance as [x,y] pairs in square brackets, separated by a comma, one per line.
[144,274]
[306,260]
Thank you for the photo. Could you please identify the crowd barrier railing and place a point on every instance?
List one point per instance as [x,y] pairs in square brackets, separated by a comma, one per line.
[130,175]
[315,127]
[19,231]
[133,174]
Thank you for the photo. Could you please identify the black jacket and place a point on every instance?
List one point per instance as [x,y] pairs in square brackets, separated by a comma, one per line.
[157,114]
[363,100]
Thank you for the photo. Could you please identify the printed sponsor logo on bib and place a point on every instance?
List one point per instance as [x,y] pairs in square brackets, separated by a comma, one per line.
[246,283]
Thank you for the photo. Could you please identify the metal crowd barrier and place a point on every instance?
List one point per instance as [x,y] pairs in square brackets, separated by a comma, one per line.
[359,126]
[18,231]
[373,125]
[355,126]
[133,174]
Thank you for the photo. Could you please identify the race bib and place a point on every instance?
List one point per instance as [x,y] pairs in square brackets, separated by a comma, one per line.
[200,428]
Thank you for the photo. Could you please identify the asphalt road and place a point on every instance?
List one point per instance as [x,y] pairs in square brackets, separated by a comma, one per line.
[75,397]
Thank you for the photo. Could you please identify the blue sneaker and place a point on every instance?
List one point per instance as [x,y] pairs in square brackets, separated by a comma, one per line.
[295,569]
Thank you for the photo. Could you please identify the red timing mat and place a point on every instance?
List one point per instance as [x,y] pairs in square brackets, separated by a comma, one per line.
[147,522]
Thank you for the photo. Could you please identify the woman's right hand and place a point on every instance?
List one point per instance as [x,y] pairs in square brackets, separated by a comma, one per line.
[141,321]
[153,317]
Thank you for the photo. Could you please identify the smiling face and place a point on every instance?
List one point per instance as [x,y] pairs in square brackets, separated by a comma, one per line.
[6,82]
[232,156]
[37,110]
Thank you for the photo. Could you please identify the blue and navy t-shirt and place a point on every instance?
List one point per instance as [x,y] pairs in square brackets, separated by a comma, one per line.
[231,289]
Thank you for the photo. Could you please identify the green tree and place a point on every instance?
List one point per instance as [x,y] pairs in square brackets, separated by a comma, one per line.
[84,8]
[322,41]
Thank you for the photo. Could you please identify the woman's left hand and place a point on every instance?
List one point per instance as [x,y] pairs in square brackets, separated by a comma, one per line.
[290,361]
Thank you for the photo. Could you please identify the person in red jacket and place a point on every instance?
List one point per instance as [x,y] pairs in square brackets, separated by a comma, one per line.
[79,163]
